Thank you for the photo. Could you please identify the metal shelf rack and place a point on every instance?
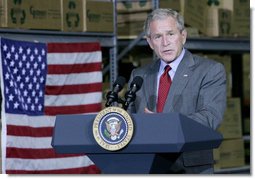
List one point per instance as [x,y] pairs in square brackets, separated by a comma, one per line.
[105,39]
[239,170]
[200,43]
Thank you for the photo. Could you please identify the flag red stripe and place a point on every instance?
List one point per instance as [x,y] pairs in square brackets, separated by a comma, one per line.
[79,109]
[92,169]
[74,68]
[73,47]
[74,89]
[28,153]
[29,131]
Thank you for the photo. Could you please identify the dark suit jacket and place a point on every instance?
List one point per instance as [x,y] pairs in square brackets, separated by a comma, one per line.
[198,91]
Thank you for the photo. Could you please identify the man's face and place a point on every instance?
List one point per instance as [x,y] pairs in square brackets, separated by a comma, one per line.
[166,39]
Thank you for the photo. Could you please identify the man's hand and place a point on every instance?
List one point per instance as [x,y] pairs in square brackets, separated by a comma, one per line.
[146,110]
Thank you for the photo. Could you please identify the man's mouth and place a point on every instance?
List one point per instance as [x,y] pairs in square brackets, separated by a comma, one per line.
[167,51]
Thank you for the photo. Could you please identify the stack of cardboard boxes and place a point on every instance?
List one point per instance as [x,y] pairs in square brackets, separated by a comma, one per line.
[219,17]
[132,14]
[65,15]
[211,18]
[131,17]
[87,16]
[231,152]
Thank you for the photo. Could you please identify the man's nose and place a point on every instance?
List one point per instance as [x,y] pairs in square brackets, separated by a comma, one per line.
[165,40]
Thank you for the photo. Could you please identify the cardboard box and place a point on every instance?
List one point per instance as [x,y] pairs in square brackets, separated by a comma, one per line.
[131,24]
[211,19]
[31,14]
[231,153]
[12,21]
[132,17]
[231,126]
[87,16]
[177,5]
[192,32]
[44,14]
[130,30]
[134,6]
[221,24]
[241,18]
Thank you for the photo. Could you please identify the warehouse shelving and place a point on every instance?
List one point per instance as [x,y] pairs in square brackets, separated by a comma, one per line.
[203,43]
[105,39]
[235,170]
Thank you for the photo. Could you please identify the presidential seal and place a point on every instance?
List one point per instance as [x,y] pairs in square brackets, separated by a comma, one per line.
[113,128]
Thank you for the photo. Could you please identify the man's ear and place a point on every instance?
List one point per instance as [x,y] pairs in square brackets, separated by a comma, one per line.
[184,36]
[149,42]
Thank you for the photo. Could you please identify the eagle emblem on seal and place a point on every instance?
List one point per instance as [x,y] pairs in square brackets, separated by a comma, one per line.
[113,128]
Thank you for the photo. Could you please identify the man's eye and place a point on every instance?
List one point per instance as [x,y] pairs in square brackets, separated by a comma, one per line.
[157,37]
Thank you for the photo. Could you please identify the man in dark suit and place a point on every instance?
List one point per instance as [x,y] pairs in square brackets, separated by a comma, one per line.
[197,85]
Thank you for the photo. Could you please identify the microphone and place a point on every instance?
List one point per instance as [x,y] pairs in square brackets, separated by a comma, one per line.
[130,95]
[112,96]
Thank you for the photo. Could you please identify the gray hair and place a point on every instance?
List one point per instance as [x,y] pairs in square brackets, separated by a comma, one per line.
[160,13]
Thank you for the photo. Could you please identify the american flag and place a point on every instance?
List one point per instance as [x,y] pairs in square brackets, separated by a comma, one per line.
[38,82]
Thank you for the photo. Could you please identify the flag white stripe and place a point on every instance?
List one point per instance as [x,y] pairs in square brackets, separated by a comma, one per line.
[53,164]
[75,99]
[29,142]
[74,58]
[74,79]
[32,121]
[38,121]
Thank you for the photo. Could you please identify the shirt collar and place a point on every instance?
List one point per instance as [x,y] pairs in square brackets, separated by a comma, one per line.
[174,64]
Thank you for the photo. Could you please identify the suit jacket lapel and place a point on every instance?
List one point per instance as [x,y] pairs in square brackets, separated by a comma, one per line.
[150,85]
[180,80]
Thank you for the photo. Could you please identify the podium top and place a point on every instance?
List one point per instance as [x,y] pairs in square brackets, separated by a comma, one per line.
[153,133]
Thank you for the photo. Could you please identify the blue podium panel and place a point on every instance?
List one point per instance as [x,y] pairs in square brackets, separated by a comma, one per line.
[123,163]
[155,135]
[174,133]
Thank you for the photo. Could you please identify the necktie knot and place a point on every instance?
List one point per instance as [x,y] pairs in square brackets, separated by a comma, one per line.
[165,74]
[167,68]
